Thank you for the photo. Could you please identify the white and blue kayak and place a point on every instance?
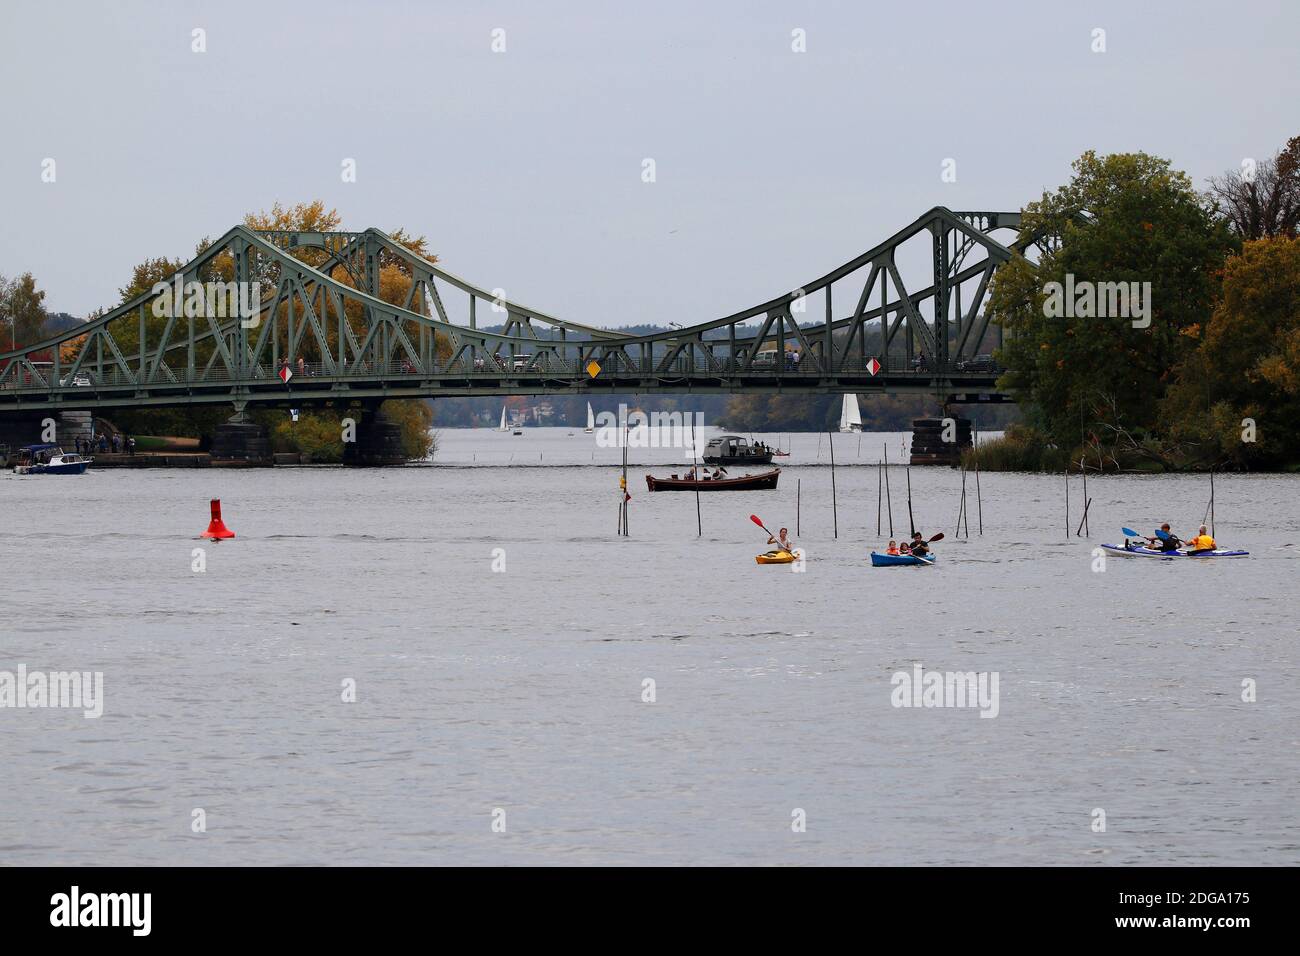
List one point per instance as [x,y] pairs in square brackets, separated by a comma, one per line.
[898,560]
[1139,551]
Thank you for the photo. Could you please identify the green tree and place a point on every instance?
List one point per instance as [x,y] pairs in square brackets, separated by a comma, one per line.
[22,310]
[1123,218]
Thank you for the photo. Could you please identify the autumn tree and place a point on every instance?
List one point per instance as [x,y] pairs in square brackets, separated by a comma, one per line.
[1237,399]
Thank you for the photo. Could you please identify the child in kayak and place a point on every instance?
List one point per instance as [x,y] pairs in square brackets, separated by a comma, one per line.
[893,547]
[782,541]
[1202,542]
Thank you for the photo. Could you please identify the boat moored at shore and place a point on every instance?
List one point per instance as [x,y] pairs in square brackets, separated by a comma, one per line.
[49,460]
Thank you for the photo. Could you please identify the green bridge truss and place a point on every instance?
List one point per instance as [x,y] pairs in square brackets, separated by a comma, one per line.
[320,315]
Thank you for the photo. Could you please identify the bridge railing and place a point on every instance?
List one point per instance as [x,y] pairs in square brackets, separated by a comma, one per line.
[502,368]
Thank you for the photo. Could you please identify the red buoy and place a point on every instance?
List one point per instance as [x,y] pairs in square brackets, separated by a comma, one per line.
[216,527]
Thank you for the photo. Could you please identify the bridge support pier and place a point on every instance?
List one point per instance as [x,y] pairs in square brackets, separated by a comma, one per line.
[240,441]
[21,428]
[378,440]
[928,440]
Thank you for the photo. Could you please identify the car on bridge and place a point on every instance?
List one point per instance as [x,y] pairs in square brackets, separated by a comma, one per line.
[81,379]
[980,363]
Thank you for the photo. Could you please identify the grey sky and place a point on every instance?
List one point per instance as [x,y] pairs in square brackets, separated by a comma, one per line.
[524,168]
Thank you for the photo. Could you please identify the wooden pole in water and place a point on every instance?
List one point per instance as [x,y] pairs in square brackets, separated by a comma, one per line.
[798,500]
[961,503]
[1067,501]
[1084,520]
[911,522]
[964,510]
[699,524]
[879,493]
[889,498]
[1212,501]
[835,512]
[622,498]
[979,499]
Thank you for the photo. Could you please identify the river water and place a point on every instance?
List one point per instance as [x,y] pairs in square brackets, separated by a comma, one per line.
[518,695]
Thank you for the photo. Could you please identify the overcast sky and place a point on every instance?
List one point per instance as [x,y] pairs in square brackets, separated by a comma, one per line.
[524,167]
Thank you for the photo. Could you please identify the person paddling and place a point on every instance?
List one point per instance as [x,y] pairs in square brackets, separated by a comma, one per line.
[1168,540]
[1201,543]
[919,548]
[782,541]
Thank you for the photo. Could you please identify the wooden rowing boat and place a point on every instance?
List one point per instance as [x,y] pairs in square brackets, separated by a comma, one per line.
[764,482]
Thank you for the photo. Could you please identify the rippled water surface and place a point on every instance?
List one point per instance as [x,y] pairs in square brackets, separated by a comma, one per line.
[522,690]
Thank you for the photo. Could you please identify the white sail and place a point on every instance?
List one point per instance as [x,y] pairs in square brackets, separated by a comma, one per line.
[850,417]
[591,420]
[502,426]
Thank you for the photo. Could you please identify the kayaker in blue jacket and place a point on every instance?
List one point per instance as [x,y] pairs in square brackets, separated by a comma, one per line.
[1168,541]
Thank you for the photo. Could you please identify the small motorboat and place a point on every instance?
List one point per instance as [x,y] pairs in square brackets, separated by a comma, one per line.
[879,560]
[775,557]
[764,482]
[49,460]
[735,450]
[1139,551]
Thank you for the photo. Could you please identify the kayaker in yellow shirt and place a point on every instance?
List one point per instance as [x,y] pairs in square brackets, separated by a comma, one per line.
[1202,542]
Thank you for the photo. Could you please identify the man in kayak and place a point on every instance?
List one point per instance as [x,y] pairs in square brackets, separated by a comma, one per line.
[1167,541]
[1202,542]
[782,541]
[919,548]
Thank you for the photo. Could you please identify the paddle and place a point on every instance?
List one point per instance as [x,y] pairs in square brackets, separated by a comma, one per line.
[754,518]
[1130,533]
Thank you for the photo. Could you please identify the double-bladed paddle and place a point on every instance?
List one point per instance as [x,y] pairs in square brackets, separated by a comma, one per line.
[754,518]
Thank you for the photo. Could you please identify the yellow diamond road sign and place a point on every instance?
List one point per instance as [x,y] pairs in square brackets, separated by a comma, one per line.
[593,368]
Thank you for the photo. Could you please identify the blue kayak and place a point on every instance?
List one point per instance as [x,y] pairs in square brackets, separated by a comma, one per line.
[898,560]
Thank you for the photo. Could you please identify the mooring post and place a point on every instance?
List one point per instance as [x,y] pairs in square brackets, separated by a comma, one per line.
[835,514]
[879,490]
[889,498]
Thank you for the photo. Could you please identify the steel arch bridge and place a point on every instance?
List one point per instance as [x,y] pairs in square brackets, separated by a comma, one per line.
[320,315]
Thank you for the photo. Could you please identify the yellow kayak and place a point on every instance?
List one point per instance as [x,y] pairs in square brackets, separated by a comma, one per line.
[775,557]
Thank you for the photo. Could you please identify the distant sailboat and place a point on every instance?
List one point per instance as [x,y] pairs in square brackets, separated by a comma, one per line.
[591,420]
[850,417]
[503,427]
